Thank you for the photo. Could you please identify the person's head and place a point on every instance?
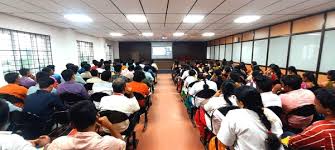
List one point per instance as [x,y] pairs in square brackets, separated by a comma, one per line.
[192,72]
[324,101]
[52,67]
[68,75]
[87,67]
[4,114]
[107,68]
[256,73]
[94,73]
[46,83]
[99,64]
[106,75]
[119,85]
[82,64]
[331,75]
[68,65]
[291,82]
[139,76]
[146,68]
[249,98]
[131,68]
[138,67]
[275,69]
[309,77]
[24,72]
[83,115]
[117,68]
[253,63]
[263,83]
[48,70]
[227,89]
[40,75]
[95,62]
[74,68]
[236,76]
[12,78]
[218,72]
[291,70]
[256,68]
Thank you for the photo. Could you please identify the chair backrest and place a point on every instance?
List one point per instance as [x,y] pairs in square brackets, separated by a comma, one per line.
[11,98]
[96,97]
[114,116]
[191,84]
[17,117]
[88,86]
[205,93]
[85,79]
[305,111]
[71,98]
[61,117]
[138,96]
[224,110]
[133,120]
[277,110]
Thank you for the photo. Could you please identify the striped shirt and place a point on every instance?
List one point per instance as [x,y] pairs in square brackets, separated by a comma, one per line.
[320,135]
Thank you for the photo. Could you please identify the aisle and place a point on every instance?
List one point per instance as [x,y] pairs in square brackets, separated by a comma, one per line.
[169,126]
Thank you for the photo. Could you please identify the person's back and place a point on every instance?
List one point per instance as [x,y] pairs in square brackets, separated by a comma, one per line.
[13,88]
[70,86]
[104,86]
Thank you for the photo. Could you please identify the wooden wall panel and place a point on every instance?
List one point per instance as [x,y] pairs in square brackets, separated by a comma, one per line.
[209,43]
[217,42]
[330,20]
[262,33]
[280,29]
[248,36]
[222,41]
[308,24]
[237,38]
[229,39]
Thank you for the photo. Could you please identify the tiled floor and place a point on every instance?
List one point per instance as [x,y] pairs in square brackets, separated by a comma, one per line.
[169,127]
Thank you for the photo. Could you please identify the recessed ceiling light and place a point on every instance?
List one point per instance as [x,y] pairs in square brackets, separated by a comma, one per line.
[247,19]
[208,34]
[164,37]
[137,18]
[78,18]
[178,34]
[147,34]
[193,18]
[116,34]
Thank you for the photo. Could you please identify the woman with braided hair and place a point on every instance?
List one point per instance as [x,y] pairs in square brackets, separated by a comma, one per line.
[251,127]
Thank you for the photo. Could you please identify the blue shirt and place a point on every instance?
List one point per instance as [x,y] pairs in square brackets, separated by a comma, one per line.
[43,104]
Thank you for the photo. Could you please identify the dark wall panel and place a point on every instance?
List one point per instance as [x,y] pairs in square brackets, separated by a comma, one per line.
[135,50]
[193,50]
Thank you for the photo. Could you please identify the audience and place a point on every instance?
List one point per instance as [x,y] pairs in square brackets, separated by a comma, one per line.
[309,81]
[264,86]
[128,72]
[291,70]
[58,77]
[82,67]
[77,76]
[70,86]
[119,102]
[40,75]
[138,86]
[85,120]
[50,72]
[86,74]
[27,78]
[95,77]
[203,84]
[117,72]
[105,85]
[330,84]
[13,88]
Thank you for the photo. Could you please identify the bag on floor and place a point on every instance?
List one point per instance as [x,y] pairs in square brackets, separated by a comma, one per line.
[215,144]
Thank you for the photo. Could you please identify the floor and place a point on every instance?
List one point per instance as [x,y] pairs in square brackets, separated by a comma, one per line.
[169,126]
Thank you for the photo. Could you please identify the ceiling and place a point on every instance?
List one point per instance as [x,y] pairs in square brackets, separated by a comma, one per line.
[164,16]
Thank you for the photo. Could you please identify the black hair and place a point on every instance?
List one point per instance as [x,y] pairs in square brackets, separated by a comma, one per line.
[139,76]
[138,67]
[276,70]
[236,76]
[218,72]
[146,68]
[24,71]
[68,65]
[4,113]
[99,64]
[256,73]
[293,81]
[67,74]
[87,67]
[117,68]
[74,68]
[131,67]
[252,100]
[227,89]
[82,64]
[326,98]
[253,63]
[41,74]
[11,77]
[292,69]
[118,85]
[94,62]
[108,68]
[47,70]
[106,75]
[263,83]
[331,74]
[192,72]
[310,76]
[51,67]
[45,82]
[83,114]
[256,67]
[94,72]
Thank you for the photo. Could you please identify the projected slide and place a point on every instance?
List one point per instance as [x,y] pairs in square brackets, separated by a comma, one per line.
[161,52]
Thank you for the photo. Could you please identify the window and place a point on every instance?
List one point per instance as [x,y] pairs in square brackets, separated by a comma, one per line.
[85,51]
[327,58]
[278,49]
[24,50]
[212,52]
[217,52]
[260,51]
[229,49]
[208,55]
[246,51]
[236,52]
[109,53]
[222,52]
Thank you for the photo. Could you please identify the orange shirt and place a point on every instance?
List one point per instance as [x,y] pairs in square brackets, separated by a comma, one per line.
[15,90]
[139,87]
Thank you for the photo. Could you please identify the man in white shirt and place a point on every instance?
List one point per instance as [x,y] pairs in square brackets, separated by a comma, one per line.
[10,141]
[105,85]
[190,79]
[94,78]
[199,86]
[128,72]
[264,86]
[119,102]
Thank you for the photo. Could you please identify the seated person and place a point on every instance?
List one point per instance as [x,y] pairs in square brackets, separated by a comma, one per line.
[319,135]
[294,98]
[70,86]
[77,76]
[95,77]
[27,79]
[190,79]
[50,72]
[58,77]
[10,141]
[138,86]
[149,77]
[309,81]
[86,74]
[35,88]
[117,72]
[84,118]
[82,68]
[129,73]
[105,85]
[264,86]
[331,80]
[119,102]
[252,127]
[43,103]
[199,86]
[13,88]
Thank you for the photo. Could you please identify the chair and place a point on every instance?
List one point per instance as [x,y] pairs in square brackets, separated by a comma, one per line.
[12,99]
[206,94]
[85,79]
[96,97]
[62,122]
[277,110]
[145,105]
[34,126]
[88,86]
[70,99]
[304,111]
[16,121]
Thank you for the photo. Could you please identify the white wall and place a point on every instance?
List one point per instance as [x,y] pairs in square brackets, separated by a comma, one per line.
[63,41]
